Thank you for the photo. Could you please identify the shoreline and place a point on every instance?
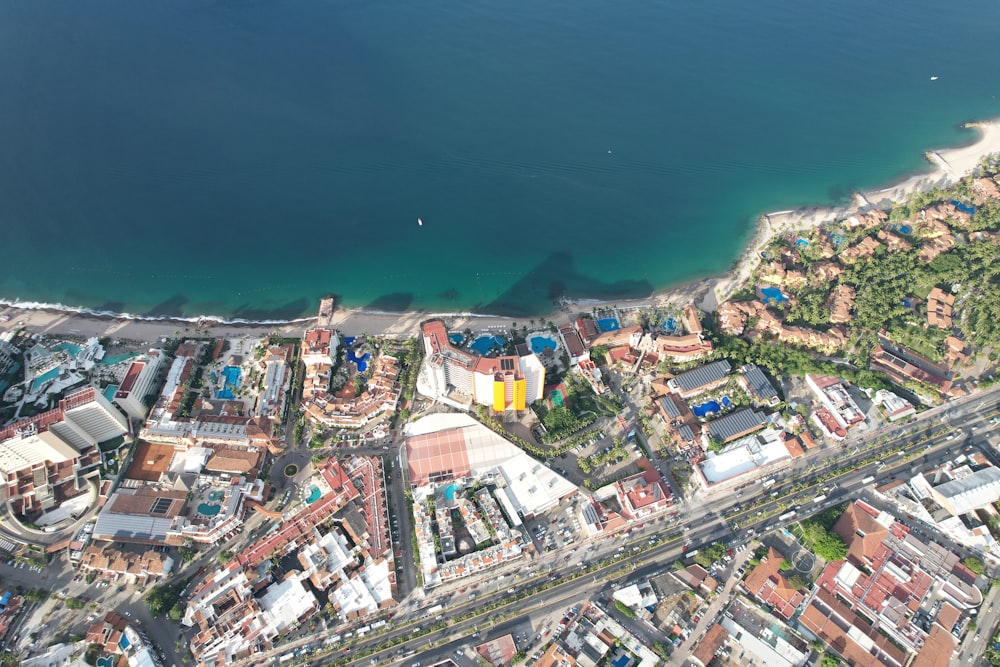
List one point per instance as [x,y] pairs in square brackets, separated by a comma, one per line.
[950,165]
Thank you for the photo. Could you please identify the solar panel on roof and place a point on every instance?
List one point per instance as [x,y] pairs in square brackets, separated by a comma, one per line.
[160,506]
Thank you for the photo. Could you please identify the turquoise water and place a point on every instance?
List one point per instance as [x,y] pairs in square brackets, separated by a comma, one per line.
[109,391]
[209,509]
[314,495]
[606,324]
[43,378]
[70,348]
[106,661]
[539,343]
[232,375]
[710,407]
[773,294]
[118,358]
[483,345]
[584,148]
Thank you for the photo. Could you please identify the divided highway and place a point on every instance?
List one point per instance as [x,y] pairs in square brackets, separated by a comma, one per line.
[930,439]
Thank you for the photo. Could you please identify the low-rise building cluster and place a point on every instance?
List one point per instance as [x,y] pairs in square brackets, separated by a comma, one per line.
[340,543]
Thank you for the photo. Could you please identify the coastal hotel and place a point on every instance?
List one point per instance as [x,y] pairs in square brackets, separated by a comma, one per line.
[502,383]
[46,459]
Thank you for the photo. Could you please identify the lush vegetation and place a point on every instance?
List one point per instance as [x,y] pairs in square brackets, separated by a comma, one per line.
[561,422]
[786,360]
[624,609]
[165,599]
[708,556]
[818,535]
[974,564]
[888,285]
[830,660]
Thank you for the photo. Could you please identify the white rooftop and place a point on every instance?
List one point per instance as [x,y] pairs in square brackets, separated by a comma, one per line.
[532,486]
[20,453]
[744,455]
[286,602]
[971,491]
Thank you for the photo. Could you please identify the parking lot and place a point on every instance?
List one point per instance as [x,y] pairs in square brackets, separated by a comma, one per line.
[556,529]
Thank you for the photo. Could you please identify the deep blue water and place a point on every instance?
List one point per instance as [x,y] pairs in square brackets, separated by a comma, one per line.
[244,158]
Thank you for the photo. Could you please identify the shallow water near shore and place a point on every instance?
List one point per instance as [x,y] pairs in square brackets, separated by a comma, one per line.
[242,159]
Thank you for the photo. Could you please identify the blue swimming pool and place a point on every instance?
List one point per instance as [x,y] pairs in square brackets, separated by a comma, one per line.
[772,294]
[711,407]
[314,494]
[109,391]
[209,509]
[456,338]
[905,229]
[965,208]
[802,243]
[124,643]
[483,345]
[118,358]
[450,491]
[106,661]
[670,326]
[606,324]
[43,378]
[232,381]
[69,348]
[540,343]
[361,363]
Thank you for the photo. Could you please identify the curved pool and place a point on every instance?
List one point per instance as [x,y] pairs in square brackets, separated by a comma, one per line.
[483,345]
[541,343]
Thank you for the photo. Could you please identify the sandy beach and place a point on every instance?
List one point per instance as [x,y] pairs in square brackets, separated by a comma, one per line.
[950,165]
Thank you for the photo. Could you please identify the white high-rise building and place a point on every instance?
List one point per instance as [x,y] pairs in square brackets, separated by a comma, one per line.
[503,383]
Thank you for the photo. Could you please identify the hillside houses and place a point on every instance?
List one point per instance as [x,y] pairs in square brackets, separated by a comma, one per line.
[939,308]
[841,303]
[866,248]
[752,319]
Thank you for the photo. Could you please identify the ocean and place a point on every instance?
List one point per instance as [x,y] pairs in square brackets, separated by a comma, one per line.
[243,158]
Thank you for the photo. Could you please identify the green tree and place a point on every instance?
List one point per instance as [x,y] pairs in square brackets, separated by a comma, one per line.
[624,609]
[162,598]
[598,354]
[975,564]
[830,660]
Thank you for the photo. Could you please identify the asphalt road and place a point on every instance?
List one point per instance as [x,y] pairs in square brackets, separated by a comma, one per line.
[704,524]
[705,520]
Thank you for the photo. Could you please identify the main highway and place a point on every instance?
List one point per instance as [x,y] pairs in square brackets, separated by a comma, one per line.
[556,580]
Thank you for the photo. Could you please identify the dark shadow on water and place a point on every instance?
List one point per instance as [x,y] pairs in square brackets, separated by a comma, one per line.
[172,307]
[555,278]
[394,303]
[449,295]
[289,311]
